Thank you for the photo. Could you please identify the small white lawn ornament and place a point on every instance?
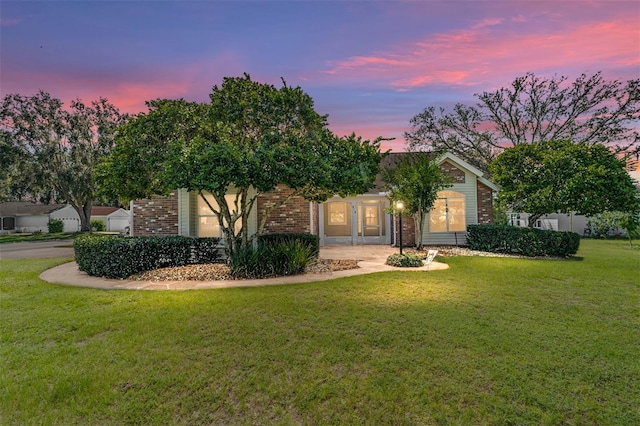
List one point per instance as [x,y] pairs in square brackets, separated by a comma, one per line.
[431,254]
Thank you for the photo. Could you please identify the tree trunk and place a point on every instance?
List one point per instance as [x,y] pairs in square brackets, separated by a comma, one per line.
[84,212]
[419,221]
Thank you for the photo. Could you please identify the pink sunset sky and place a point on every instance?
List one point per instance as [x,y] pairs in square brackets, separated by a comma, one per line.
[370,65]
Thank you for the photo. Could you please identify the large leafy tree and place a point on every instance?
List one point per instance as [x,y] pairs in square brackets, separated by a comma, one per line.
[415,179]
[563,177]
[53,150]
[251,138]
[531,110]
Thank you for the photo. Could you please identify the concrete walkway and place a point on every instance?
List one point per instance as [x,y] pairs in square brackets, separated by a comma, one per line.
[370,259]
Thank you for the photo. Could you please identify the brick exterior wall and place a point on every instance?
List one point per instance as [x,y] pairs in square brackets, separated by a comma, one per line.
[451,170]
[408,232]
[315,219]
[156,216]
[293,217]
[159,215]
[485,204]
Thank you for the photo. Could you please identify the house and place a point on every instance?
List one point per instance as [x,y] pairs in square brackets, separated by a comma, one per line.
[554,222]
[18,216]
[362,219]
[114,218]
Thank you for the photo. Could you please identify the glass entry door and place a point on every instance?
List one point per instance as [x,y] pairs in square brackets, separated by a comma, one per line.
[369,220]
[371,229]
[354,222]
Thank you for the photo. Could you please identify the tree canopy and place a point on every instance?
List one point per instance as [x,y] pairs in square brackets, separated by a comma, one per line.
[563,177]
[249,139]
[51,152]
[531,110]
[415,180]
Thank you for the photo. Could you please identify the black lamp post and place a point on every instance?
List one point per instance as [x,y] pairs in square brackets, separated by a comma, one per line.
[399,207]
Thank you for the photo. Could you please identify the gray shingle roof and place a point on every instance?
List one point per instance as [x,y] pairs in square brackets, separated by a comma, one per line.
[20,208]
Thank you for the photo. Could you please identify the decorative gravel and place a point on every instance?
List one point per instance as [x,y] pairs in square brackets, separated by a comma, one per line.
[331,265]
[448,251]
[221,272]
[203,272]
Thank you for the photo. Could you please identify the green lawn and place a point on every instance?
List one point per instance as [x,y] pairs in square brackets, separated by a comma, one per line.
[489,341]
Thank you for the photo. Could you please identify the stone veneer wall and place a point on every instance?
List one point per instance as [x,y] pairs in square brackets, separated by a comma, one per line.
[293,217]
[485,204]
[156,216]
[449,169]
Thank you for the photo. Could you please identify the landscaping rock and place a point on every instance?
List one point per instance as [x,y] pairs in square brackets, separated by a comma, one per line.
[221,272]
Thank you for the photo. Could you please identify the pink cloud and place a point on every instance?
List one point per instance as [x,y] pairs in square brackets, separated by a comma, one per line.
[496,50]
[9,22]
[488,23]
[128,95]
[369,130]
[126,89]
[365,61]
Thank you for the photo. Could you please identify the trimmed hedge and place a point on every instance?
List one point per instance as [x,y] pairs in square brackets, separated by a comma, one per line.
[55,226]
[309,240]
[523,241]
[97,225]
[113,256]
[405,260]
[277,258]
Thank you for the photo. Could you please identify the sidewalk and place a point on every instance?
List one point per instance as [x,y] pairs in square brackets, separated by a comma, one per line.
[370,259]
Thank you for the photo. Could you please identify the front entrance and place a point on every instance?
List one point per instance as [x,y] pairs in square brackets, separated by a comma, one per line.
[354,221]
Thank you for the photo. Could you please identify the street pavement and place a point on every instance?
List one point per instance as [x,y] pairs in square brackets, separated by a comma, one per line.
[37,249]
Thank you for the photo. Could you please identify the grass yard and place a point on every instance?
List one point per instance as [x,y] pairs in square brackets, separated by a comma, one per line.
[489,341]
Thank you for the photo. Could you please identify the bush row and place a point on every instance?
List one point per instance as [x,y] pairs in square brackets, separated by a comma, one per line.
[113,256]
[523,241]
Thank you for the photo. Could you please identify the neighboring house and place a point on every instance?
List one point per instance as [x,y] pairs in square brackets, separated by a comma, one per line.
[114,218]
[556,222]
[18,216]
[362,219]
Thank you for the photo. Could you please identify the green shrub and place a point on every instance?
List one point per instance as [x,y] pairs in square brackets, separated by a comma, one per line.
[276,258]
[607,224]
[405,260]
[113,256]
[55,226]
[523,241]
[98,226]
[310,240]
